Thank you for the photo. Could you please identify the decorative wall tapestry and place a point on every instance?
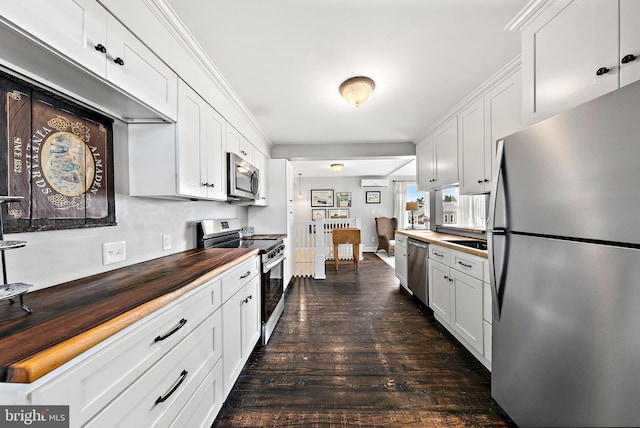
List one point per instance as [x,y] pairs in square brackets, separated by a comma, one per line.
[58,156]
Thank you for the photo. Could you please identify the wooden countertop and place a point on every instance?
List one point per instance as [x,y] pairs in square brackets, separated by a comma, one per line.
[438,238]
[70,318]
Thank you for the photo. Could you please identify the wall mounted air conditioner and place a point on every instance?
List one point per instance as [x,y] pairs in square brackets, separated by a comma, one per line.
[367,182]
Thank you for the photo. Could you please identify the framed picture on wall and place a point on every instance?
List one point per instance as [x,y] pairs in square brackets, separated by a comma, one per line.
[322,198]
[373,197]
[318,213]
[343,199]
[339,213]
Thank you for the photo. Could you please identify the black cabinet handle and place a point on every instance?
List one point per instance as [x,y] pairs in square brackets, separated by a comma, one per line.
[628,58]
[446,277]
[465,265]
[246,275]
[176,328]
[602,70]
[486,180]
[450,279]
[119,61]
[163,398]
[438,254]
[480,181]
[100,48]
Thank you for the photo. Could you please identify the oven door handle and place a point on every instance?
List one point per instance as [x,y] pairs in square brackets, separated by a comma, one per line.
[268,266]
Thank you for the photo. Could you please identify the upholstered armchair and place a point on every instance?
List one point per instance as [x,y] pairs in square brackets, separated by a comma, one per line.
[386,228]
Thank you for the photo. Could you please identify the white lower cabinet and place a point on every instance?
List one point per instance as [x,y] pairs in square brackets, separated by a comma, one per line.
[240,321]
[168,369]
[401,259]
[456,295]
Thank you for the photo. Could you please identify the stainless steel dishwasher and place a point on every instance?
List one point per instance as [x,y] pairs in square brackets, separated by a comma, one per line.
[417,276]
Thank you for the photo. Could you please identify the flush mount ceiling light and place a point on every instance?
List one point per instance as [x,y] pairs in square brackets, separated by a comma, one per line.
[357,89]
[337,167]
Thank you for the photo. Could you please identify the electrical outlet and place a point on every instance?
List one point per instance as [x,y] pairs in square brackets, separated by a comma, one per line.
[113,252]
[166,242]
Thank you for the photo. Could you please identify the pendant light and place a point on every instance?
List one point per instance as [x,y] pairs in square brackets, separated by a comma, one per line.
[300,186]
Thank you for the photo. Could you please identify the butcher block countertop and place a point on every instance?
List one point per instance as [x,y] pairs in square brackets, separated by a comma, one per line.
[70,318]
[438,238]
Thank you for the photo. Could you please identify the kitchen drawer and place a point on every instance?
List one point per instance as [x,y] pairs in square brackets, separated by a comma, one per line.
[467,263]
[157,397]
[91,384]
[204,405]
[487,304]
[401,240]
[441,254]
[239,276]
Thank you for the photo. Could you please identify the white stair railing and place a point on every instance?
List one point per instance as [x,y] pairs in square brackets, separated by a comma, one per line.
[311,252]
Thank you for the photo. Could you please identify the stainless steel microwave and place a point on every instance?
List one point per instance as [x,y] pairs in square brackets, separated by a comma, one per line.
[243,180]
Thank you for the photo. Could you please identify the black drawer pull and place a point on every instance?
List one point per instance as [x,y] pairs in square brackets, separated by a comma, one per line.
[465,265]
[438,254]
[119,61]
[246,275]
[163,398]
[602,70]
[176,328]
[100,48]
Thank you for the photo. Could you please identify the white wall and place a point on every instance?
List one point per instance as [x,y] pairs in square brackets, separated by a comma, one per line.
[359,208]
[54,257]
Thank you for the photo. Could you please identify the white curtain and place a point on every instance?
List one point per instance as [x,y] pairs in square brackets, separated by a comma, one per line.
[400,203]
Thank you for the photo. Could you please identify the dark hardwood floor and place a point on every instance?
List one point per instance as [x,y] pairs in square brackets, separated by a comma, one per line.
[357,350]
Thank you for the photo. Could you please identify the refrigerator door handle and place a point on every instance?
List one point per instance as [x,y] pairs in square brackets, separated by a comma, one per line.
[497,278]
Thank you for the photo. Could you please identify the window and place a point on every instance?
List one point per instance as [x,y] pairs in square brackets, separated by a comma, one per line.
[469,211]
[421,216]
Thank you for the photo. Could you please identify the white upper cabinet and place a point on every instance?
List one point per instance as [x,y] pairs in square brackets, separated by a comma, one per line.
[75,28]
[84,33]
[629,41]
[136,70]
[180,160]
[437,157]
[471,144]
[238,144]
[495,115]
[573,51]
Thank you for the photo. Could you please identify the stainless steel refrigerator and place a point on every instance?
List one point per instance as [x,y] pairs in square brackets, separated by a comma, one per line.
[564,252]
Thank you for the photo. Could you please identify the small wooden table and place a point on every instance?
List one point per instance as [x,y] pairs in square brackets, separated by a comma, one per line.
[346,236]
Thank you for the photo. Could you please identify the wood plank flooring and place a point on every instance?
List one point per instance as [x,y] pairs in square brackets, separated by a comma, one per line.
[357,350]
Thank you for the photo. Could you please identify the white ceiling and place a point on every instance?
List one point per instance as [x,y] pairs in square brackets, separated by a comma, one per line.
[286,59]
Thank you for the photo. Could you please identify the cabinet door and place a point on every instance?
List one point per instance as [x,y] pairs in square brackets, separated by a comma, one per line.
[401,259]
[471,147]
[439,290]
[466,311]
[134,68]
[425,164]
[72,27]
[503,116]
[445,143]
[232,361]
[251,327]
[562,50]
[262,163]
[212,162]
[191,130]
[629,40]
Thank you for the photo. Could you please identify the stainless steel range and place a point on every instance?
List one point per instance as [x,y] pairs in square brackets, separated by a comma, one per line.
[225,233]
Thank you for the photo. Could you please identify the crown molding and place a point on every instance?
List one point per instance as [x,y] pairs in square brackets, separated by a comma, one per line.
[171,21]
[511,67]
[530,11]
